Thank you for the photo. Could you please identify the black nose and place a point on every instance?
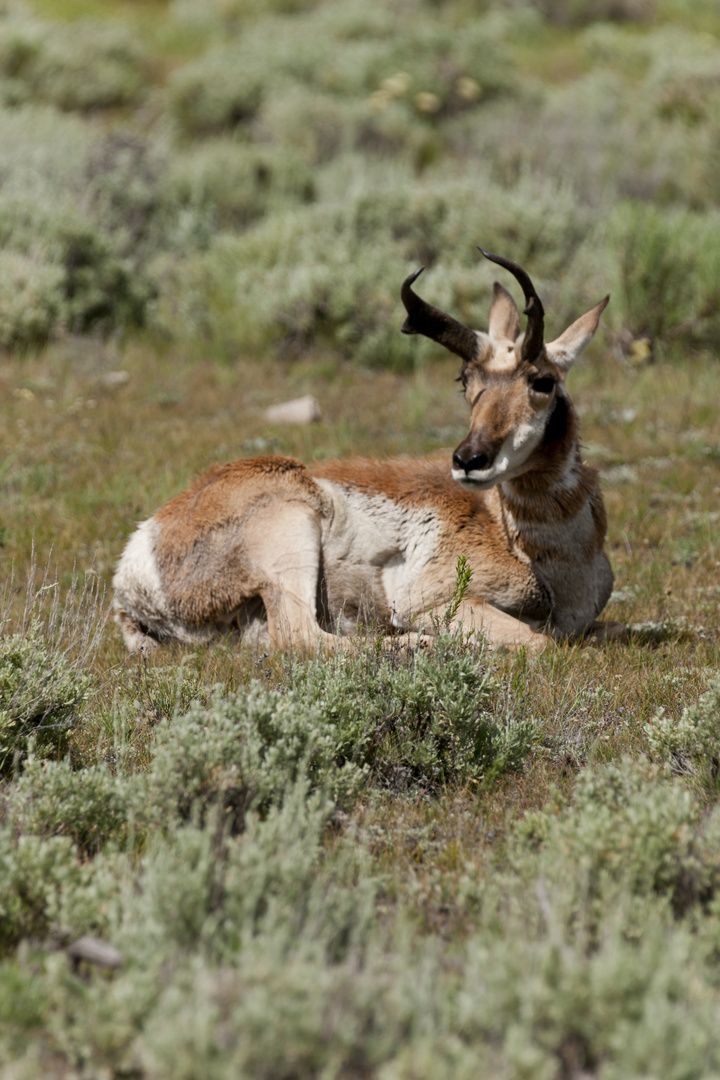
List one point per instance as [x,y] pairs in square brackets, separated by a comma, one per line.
[477,461]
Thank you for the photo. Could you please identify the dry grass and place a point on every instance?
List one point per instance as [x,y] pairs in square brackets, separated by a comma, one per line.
[84,458]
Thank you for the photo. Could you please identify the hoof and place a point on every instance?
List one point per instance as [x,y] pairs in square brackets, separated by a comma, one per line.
[134,636]
[598,633]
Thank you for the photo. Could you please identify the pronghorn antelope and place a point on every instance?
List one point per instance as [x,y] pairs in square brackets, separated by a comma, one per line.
[311,552]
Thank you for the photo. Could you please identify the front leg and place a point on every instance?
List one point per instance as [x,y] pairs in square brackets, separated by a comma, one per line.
[499,628]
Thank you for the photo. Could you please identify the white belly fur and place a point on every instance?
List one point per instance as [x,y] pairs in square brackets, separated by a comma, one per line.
[379,546]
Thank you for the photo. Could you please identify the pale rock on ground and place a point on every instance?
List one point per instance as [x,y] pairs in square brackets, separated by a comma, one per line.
[303,410]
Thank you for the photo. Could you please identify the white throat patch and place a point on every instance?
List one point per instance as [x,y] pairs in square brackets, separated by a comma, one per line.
[512,455]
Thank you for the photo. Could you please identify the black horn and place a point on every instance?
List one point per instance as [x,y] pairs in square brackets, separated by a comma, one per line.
[535,333]
[423,318]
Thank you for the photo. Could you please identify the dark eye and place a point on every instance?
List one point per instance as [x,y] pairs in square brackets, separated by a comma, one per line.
[545,385]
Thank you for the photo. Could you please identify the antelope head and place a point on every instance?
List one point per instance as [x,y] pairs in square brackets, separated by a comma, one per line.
[514,382]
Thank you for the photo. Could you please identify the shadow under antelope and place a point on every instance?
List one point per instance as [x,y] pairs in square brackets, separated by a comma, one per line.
[304,554]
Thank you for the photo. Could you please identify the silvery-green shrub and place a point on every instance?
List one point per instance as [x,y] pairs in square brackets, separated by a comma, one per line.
[243,751]
[90,806]
[582,12]
[627,829]
[80,67]
[667,264]
[236,184]
[428,719]
[216,92]
[34,872]
[332,272]
[67,270]
[41,693]
[31,300]
[690,746]
[203,888]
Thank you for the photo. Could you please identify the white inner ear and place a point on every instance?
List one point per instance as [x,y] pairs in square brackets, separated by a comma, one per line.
[504,319]
[564,356]
[564,350]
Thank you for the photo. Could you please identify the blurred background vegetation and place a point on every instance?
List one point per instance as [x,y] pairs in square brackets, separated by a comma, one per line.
[254,176]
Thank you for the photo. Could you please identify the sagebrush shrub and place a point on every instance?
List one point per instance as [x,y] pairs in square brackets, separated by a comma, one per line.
[86,66]
[427,719]
[41,693]
[47,150]
[461,67]
[582,12]
[68,272]
[82,244]
[243,751]
[668,265]
[102,289]
[618,1002]
[215,93]
[328,101]
[331,273]
[690,746]
[314,124]
[236,183]
[124,183]
[90,806]
[437,68]
[34,872]
[31,300]
[683,82]
[204,889]
[626,830]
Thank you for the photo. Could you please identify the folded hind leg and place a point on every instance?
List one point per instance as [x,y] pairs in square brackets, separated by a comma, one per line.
[287,561]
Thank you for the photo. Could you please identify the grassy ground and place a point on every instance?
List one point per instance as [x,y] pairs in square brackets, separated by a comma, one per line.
[474,864]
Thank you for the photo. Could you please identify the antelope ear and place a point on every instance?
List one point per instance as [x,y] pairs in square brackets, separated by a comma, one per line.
[504,318]
[564,350]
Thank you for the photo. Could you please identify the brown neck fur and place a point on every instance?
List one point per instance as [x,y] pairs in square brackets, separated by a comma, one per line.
[543,493]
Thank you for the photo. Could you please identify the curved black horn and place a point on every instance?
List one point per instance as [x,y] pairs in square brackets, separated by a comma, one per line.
[423,318]
[534,335]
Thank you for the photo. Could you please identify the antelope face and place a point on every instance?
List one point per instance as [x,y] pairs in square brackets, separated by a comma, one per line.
[510,410]
[512,381]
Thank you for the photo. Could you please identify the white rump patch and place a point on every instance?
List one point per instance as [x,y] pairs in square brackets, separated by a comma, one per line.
[138,589]
[137,569]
